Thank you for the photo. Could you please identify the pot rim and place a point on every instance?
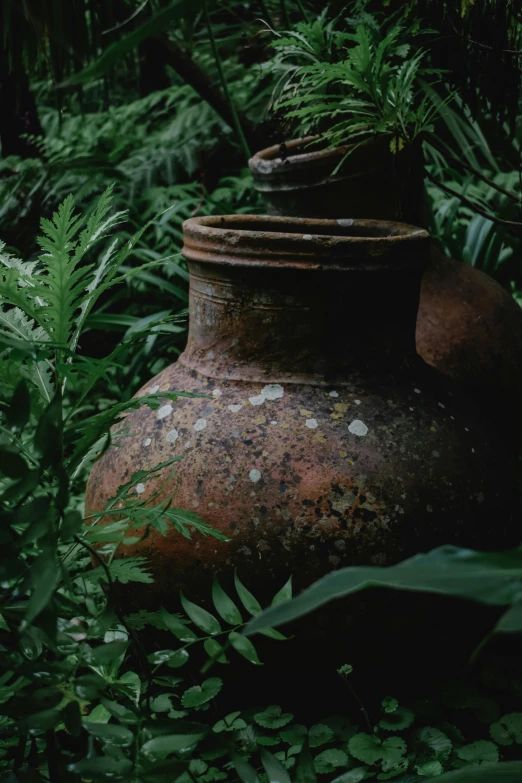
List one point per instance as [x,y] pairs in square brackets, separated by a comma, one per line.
[273,154]
[260,240]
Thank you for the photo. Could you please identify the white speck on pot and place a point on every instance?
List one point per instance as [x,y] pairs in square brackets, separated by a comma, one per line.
[155,389]
[147,441]
[186,444]
[172,436]
[357,402]
[472,451]
[429,508]
[345,222]
[441,405]
[254,475]
[358,427]
[217,393]
[258,400]
[307,236]
[467,430]
[200,425]
[273,422]
[333,394]
[140,488]
[164,411]
[435,453]
[417,391]
[234,408]
[274,391]
[311,424]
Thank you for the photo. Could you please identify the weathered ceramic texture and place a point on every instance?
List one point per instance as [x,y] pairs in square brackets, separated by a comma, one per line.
[322,439]
[468,326]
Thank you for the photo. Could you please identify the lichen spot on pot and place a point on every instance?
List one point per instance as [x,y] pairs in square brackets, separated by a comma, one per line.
[273,391]
[358,427]
[254,475]
[164,411]
[172,436]
[200,425]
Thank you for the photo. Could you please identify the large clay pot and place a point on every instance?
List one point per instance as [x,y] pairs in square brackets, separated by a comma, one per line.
[468,326]
[323,440]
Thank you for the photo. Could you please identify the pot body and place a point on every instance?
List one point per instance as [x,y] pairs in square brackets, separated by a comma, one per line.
[308,451]
[468,326]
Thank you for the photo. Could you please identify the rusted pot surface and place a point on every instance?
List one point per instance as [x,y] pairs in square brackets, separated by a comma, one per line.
[468,326]
[358,180]
[323,440]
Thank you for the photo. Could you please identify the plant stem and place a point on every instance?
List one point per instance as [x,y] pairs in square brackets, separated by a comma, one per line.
[361,705]
[284,11]
[511,224]
[235,119]
[140,652]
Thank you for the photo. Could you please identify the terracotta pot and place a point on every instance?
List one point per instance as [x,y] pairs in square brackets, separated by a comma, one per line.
[468,326]
[322,440]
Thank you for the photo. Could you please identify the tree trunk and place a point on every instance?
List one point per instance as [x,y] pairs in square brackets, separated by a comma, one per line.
[18,113]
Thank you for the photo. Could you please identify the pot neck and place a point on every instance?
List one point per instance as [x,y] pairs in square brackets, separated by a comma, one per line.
[288,321]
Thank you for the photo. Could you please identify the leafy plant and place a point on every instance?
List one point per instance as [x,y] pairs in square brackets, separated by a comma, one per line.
[358,83]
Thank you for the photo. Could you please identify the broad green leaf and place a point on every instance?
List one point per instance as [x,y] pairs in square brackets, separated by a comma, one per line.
[243,646]
[99,714]
[505,772]
[436,741]
[178,658]
[44,576]
[161,703]
[17,415]
[231,722]
[370,749]
[398,720]
[508,729]
[275,772]
[200,617]
[284,594]
[72,718]
[390,769]
[101,768]
[479,752]
[305,772]
[215,650]
[225,607]
[107,653]
[319,735]
[110,733]
[431,769]
[121,713]
[42,721]
[250,603]
[201,694]
[511,620]
[89,686]
[489,578]
[330,760]
[163,746]
[294,735]
[273,717]
[176,626]
[245,771]
[130,684]
[354,775]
